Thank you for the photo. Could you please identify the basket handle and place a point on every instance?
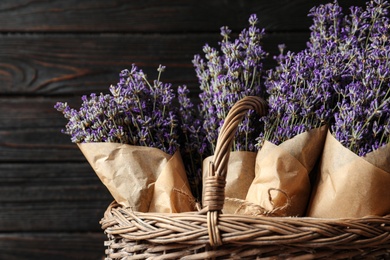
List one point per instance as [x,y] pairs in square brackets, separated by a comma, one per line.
[214,195]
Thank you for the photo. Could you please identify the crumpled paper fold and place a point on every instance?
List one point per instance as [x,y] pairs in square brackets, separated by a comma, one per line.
[350,186]
[282,182]
[143,178]
[240,174]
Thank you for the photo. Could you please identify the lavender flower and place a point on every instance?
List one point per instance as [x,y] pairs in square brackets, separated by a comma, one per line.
[361,116]
[301,95]
[226,76]
[341,79]
[136,112]
[193,140]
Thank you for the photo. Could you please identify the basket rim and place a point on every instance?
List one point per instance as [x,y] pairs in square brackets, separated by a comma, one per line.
[127,228]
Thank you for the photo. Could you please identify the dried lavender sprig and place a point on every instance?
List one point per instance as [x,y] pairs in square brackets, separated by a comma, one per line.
[354,56]
[95,121]
[194,142]
[150,106]
[226,76]
[300,95]
[135,112]
[362,113]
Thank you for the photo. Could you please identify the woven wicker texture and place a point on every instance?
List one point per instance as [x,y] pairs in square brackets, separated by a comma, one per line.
[209,234]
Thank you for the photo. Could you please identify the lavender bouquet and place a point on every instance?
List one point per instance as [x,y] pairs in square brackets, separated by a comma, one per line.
[340,81]
[301,100]
[225,76]
[131,139]
[135,112]
[300,104]
[355,165]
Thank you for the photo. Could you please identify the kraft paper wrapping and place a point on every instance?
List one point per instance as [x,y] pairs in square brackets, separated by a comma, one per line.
[172,191]
[282,182]
[240,174]
[349,186]
[142,178]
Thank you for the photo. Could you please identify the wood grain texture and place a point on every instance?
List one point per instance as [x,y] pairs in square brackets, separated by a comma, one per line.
[58,246]
[30,130]
[83,216]
[40,64]
[51,196]
[152,15]
[58,64]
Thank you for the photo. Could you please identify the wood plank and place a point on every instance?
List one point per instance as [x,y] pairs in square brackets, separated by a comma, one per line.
[73,216]
[46,197]
[30,130]
[37,145]
[66,246]
[45,182]
[60,64]
[153,15]
[47,64]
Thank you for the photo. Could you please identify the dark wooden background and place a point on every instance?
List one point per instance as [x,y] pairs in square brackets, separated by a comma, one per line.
[52,50]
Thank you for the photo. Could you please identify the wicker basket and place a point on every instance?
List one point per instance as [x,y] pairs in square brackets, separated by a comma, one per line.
[209,234]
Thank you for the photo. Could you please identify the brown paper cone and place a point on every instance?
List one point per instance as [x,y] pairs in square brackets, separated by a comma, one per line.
[282,173]
[240,174]
[349,186]
[129,172]
[172,193]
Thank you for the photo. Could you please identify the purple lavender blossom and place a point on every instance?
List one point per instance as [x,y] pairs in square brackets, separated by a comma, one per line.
[226,76]
[341,79]
[193,144]
[301,95]
[362,112]
[136,112]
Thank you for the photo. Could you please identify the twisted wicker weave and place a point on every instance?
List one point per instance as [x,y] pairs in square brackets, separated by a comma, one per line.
[209,234]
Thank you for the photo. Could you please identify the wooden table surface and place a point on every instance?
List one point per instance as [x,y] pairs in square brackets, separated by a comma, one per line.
[50,199]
